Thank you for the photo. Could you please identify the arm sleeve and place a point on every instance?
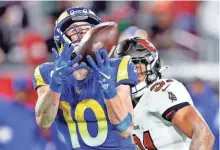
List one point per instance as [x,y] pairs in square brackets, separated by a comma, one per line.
[126,73]
[172,100]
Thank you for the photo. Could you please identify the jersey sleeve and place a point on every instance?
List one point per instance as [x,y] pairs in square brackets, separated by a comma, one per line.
[41,75]
[169,101]
[126,73]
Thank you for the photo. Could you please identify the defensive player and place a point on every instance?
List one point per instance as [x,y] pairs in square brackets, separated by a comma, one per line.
[91,104]
[164,115]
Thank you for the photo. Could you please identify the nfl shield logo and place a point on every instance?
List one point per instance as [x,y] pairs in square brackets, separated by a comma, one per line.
[78,90]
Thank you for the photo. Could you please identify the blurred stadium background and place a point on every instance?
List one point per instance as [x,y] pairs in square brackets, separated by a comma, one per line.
[185,33]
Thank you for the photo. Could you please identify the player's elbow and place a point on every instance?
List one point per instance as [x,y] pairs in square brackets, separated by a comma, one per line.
[43,123]
[43,126]
[210,138]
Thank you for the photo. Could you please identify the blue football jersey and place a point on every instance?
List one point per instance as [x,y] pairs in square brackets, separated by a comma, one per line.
[82,116]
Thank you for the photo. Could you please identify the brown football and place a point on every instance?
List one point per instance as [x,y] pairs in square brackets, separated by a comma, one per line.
[107,33]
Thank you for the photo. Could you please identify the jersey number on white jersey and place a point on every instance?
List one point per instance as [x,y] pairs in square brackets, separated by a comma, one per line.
[147,141]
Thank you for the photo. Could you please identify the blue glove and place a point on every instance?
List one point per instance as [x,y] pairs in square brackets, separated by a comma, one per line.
[104,71]
[63,67]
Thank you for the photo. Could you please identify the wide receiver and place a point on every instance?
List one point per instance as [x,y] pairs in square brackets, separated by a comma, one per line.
[90,102]
[164,115]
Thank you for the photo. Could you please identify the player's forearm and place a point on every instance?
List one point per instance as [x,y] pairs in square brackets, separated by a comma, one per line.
[46,108]
[202,138]
[117,112]
[116,109]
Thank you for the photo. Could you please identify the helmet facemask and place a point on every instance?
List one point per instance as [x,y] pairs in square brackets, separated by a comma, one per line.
[144,53]
[151,72]
[75,33]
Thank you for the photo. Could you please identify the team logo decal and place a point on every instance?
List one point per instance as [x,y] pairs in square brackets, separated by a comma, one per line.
[136,127]
[172,97]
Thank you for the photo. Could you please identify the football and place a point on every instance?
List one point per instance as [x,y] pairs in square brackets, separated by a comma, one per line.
[106,33]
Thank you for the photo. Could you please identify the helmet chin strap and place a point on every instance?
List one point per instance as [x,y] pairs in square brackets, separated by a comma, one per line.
[163,68]
[138,90]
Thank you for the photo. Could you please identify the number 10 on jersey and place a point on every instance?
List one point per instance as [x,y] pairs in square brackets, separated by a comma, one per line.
[82,124]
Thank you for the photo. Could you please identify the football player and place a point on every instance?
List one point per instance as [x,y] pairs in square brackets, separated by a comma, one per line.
[89,102]
[164,115]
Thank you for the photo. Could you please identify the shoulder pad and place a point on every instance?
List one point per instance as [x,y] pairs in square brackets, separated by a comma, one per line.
[42,74]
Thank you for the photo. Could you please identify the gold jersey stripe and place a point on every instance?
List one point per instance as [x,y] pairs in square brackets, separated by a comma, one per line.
[38,77]
[123,69]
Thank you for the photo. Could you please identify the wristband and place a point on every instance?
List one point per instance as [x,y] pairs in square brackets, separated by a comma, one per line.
[124,124]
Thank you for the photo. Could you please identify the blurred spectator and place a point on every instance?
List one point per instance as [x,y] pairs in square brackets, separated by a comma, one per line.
[2,55]
[99,6]
[21,88]
[31,49]
[160,31]
[121,14]
[209,11]
[51,24]
[22,91]
[5,40]
[18,128]
[174,30]
[184,15]
[132,32]
[208,27]
[207,103]
[13,17]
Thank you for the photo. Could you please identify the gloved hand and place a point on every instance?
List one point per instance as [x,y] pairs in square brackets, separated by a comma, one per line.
[63,67]
[104,71]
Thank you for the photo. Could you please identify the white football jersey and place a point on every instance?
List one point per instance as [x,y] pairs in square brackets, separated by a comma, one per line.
[153,129]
